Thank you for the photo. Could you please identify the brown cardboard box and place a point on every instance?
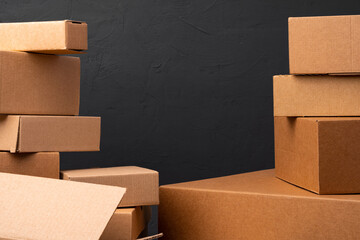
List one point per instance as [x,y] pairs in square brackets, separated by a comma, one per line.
[126,224]
[52,37]
[316,95]
[142,184]
[43,164]
[39,84]
[49,133]
[322,45]
[252,206]
[320,154]
[37,208]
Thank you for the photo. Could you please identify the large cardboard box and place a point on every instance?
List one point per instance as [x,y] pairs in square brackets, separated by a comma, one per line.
[252,206]
[142,184]
[316,95]
[49,133]
[324,45]
[39,84]
[51,37]
[37,208]
[320,154]
[43,164]
[127,223]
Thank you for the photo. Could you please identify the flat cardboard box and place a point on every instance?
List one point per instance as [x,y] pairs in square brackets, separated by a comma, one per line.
[126,224]
[142,184]
[39,84]
[252,206]
[35,208]
[316,95]
[324,45]
[320,154]
[43,164]
[49,133]
[50,37]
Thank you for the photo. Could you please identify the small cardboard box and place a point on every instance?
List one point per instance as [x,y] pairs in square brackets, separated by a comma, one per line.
[142,184]
[37,208]
[324,45]
[320,154]
[254,205]
[316,95]
[127,223]
[51,37]
[39,84]
[49,133]
[43,164]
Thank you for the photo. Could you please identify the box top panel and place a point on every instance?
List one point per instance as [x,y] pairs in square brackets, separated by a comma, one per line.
[112,171]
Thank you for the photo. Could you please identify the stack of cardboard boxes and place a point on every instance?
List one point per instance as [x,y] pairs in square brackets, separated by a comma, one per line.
[39,103]
[317,137]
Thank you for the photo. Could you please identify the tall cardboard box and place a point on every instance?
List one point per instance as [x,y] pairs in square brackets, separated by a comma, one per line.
[39,83]
[324,45]
[254,206]
[51,37]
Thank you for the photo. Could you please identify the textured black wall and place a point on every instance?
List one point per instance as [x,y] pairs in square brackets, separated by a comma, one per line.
[183,87]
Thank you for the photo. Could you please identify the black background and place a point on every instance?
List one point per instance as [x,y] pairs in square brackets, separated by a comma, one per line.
[183,87]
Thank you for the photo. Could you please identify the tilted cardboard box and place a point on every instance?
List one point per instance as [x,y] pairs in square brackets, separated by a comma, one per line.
[49,133]
[43,164]
[252,206]
[324,45]
[316,95]
[127,223]
[320,154]
[51,37]
[142,184]
[39,84]
[37,208]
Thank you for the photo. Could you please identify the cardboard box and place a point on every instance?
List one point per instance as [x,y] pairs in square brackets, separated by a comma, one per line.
[36,208]
[316,95]
[126,223]
[142,184]
[324,45]
[320,154]
[255,205]
[51,37]
[49,133]
[33,164]
[39,84]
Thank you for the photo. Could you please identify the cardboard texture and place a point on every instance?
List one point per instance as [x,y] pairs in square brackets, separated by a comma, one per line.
[51,37]
[42,208]
[254,206]
[324,45]
[126,224]
[316,95]
[39,84]
[49,133]
[142,184]
[320,154]
[33,164]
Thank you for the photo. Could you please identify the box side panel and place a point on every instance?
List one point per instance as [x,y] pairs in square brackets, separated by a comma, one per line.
[296,151]
[355,34]
[9,127]
[76,35]
[120,225]
[193,215]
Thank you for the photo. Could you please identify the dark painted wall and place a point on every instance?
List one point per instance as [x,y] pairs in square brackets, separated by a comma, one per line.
[183,87]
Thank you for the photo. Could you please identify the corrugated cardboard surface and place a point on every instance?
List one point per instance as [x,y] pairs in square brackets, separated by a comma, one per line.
[126,224]
[34,164]
[49,133]
[322,45]
[56,37]
[142,184]
[316,95]
[41,208]
[255,206]
[320,154]
[39,84]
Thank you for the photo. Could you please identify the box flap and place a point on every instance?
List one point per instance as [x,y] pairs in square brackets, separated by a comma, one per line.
[9,128]
[41,208]
[156,236]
